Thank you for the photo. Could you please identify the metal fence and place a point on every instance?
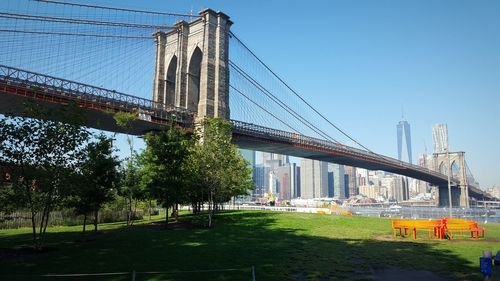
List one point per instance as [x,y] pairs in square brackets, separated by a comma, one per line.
[480,215]
[62,218]
[243,273]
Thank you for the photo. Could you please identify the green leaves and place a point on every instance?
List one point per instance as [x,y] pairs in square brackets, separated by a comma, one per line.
[166,166]
[220,167]
[41,154]
[124,119]
[98,176]
[204,167]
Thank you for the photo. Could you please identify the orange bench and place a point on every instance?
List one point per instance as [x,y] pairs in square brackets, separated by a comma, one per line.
[461,226]
[437,228]
[433,227]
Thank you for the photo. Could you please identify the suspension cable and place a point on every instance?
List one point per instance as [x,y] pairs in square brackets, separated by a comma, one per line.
[281,103]
[113,8]
[75,34]
[296,94]
[268,112]
[77,21]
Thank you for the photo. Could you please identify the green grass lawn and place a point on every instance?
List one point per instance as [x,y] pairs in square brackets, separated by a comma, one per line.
[281,246]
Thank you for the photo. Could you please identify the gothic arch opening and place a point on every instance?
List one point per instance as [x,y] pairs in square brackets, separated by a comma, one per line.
[193,81]
[455,169]
[443,168]
[170,81]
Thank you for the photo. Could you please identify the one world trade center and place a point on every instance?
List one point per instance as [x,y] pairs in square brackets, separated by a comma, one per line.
[404,128]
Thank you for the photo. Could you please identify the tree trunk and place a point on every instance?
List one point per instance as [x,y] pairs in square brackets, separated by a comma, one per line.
[46,223]
[33,225]
[175,211]
[166,217]
[129,211]
[134,213]
[41,221]
[96,217]
[166,211]
[84,222]
[149,209]
[210,210]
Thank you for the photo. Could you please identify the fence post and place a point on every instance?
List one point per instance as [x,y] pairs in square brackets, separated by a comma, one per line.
[133,275]
[253,273]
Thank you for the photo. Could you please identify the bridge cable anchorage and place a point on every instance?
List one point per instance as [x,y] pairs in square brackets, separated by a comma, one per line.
[79,21]
[76,34]
[114,8]
[296,94]
[281,103]
[268,112]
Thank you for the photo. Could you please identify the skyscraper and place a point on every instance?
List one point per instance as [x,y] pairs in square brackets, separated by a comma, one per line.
[353,186]
[403,127]
[298,182]
[440,137]
[284,175]
[313,179]
[339,188]
[261,181]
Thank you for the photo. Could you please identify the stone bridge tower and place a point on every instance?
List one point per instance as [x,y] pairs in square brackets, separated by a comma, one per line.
[192,68]
[460,191]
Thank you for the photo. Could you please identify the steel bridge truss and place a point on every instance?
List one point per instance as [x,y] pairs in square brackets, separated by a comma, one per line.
[57,90]
[53,89]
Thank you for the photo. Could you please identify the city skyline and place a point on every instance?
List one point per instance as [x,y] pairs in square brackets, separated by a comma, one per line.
[274,174]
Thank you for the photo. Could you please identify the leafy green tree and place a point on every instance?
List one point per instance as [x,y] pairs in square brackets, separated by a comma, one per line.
[124,120]
[97,179]
[221,170]
[41,153]
[131,187]
[165,162]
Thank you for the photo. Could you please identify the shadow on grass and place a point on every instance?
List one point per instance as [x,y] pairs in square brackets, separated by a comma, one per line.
[238,241]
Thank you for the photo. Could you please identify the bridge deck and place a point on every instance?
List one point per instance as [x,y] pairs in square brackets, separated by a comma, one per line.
[18,86]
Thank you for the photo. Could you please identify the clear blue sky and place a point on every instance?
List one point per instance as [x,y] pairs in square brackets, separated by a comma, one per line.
[360,61]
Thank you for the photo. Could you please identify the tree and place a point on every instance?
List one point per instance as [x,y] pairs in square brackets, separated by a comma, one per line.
[41,153]
[131,188]
[221,170]
[165,163]
[97,178]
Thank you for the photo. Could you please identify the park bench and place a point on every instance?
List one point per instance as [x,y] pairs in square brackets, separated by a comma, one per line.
[400,225]
[437,228]
[454,227]
[434,228]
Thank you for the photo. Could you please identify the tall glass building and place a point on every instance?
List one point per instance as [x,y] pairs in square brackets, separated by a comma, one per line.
[403,128]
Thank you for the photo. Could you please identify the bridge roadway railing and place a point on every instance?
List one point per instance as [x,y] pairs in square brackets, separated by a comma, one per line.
[37,83]
[288,137]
